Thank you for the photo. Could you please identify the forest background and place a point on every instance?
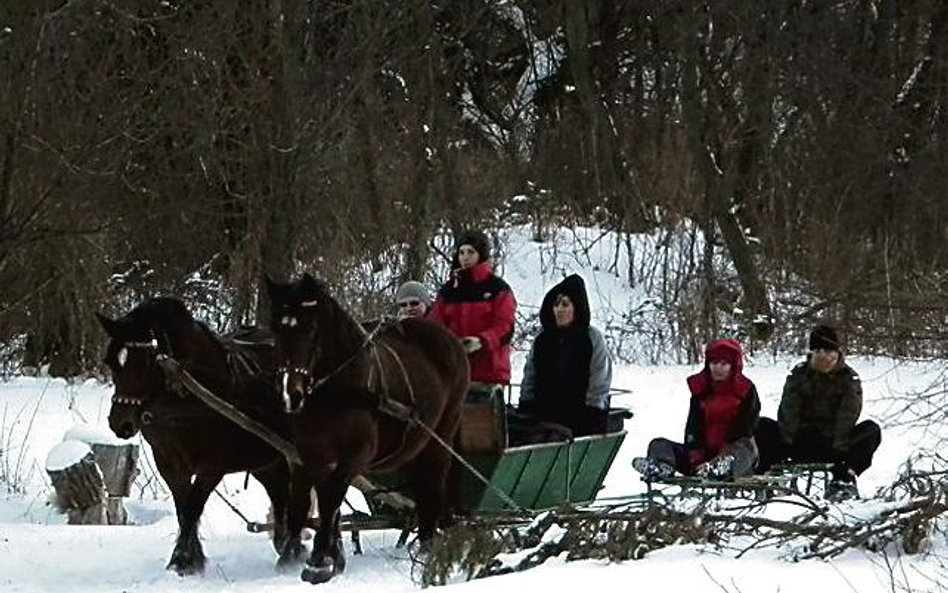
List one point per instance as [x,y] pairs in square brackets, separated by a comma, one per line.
[787,159]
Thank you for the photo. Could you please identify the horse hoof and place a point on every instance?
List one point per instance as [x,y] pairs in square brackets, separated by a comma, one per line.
[185,564]
[290,559]
[284,566]
[186,569]
[318,574]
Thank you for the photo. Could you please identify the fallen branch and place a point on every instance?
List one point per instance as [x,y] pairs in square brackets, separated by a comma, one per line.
[618,534]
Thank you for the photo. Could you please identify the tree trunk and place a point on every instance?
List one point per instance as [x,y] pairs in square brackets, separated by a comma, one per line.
[720,184]
[278,152]
[80,492]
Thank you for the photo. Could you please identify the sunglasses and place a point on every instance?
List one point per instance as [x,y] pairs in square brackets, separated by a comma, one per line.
[405,304]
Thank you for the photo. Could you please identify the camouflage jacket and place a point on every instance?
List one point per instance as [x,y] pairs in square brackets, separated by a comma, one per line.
[827,403]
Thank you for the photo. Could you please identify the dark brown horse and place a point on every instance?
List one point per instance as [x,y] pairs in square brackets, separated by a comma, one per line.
[365,401]
[194,446]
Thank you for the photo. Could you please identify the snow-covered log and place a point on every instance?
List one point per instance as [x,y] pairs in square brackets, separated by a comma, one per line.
[117,462]
[80,490]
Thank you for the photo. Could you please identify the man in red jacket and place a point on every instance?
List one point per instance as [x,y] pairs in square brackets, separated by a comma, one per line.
[479,307]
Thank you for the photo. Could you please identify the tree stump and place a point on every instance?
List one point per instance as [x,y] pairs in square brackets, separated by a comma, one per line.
[80,489]
[119,466]
[117,460]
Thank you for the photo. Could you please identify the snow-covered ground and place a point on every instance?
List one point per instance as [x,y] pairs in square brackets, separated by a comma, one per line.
[39,552]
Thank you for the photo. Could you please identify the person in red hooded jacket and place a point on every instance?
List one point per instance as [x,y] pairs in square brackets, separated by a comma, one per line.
[478,307]
[719,434]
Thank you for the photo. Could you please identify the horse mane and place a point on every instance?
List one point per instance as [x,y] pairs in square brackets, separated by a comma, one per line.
[162,311]
[309,288]
[163,316]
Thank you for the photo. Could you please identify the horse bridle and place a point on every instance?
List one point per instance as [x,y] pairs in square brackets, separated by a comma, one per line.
[308,373]
[119,398]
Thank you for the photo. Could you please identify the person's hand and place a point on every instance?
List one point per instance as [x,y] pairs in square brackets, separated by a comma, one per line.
[471,344]
[703,470]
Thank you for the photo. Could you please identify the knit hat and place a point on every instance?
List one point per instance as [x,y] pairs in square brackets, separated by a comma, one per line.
[413,290]
[823,337]
[475,239]
[727,350]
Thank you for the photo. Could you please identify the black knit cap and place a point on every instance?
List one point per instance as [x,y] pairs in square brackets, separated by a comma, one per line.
[475,239]
[823,337]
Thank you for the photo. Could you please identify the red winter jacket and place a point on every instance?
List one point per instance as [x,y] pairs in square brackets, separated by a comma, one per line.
[475,302]
[721,412]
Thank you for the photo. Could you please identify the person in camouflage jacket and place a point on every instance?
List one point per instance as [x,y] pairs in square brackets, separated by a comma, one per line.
[818,414]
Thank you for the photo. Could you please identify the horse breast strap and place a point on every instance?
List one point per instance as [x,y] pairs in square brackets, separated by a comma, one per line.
[391,406]
[388,405]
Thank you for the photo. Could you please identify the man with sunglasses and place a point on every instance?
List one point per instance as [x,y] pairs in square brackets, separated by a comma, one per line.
[817,419]
[412,300]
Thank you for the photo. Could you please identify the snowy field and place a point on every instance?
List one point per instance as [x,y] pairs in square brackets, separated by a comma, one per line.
[39,552]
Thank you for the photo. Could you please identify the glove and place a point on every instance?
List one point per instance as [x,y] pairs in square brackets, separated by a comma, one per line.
[471,344]
[703,471]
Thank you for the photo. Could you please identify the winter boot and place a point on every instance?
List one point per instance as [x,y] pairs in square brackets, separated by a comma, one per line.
[653,470]
[843,485]
[720,468]
[840,490]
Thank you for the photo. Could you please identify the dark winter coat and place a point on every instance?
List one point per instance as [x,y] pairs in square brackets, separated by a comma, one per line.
[720,412]
[826,405]
[568,372]
[475,302]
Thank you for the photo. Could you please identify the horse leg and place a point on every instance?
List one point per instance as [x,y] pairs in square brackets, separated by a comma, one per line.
[179,484]
[297,510]
[428,476]
[276,481]
[328,557]
[188,555]
[286,500]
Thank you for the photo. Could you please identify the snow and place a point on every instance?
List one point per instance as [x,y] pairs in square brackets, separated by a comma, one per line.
[39,552]
[93,435]
[66,454]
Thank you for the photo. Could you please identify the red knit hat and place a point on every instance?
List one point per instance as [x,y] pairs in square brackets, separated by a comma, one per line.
[726,350]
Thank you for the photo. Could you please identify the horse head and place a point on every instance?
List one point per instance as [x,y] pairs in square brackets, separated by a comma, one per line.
[136,340]
[303,317]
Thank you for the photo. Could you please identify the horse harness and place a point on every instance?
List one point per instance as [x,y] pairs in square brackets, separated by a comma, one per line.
[152,344]
[239,362]
[386,404]
[375,381]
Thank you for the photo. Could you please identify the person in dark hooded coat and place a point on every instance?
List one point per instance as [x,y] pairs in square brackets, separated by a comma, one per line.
[719,433]
[568,372]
